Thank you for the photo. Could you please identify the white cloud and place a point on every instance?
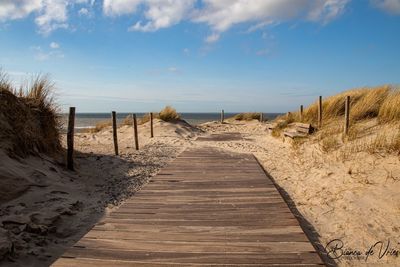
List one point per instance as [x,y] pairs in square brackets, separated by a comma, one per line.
[54,45]
[120,7]
[49,14]
[53,16]
[83,12]
[11,9]
[163,13]
[389,6]
[221,15]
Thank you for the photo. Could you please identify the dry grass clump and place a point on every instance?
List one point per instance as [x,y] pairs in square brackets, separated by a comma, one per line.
[365,104]
[28,118]
[369,104]
[390,109]
[329,143]
[372,110]
[169,114]
[247,116]
[384,142]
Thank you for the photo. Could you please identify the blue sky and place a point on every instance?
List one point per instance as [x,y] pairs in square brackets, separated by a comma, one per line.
[200,55]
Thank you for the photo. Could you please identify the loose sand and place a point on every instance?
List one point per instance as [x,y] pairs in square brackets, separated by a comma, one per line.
[48,209]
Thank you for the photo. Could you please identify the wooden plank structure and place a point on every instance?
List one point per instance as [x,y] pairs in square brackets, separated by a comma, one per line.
[298,129]
[207,208]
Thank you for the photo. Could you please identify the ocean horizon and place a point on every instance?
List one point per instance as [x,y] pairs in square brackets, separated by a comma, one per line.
[86,120]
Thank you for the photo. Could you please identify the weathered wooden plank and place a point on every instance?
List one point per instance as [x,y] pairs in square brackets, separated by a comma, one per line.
[199,247]
[190,257]
[83,262]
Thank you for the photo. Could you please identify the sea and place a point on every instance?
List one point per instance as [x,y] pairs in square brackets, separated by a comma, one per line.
[89,120]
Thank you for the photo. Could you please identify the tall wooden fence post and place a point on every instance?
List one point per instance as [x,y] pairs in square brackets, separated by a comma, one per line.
[347,115]
[114,125]
[261,117]
[136,131]
[70,139]
[151,125]
[320,112]
[222,116]
[301,113]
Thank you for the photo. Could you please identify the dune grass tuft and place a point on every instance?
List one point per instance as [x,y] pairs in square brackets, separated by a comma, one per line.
[28,117]
[169,114]
[372,110]
[390,109]
[369,104]
[381,102]
[247,116]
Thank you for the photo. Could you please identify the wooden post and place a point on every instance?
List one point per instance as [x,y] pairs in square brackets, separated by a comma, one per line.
[70,139]
[222,116]
[347,115]
[301,113]
[320,112]
[136,131]
[261,117]
[151,125]
[114,125]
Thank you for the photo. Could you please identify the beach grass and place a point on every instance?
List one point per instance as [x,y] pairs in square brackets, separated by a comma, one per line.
[247,116]
[374,121]
[29,116]
[169,114]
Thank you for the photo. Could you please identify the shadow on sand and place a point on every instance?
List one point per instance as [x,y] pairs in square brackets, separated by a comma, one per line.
[307,227]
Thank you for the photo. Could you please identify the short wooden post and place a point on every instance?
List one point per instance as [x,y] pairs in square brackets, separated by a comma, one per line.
[301,113]
[222,116]
[320,112]
[347,115]
[114,125]
[70,139]
[261,117]
[136,131]
[151,125]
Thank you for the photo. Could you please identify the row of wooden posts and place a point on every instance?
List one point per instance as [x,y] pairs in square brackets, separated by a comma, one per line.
[71,126]
[71,131]
[320,113]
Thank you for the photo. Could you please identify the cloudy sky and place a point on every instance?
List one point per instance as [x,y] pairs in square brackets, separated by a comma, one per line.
[200,55]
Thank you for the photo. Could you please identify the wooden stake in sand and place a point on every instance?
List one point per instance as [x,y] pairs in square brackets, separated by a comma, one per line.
[261,117]
[301,113]
[136,131]
[320,112]
[347,115]
[70,139]
[151,125]
[114,125]
[222,116]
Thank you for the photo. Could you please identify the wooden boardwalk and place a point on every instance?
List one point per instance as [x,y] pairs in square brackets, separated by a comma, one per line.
[208,207]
